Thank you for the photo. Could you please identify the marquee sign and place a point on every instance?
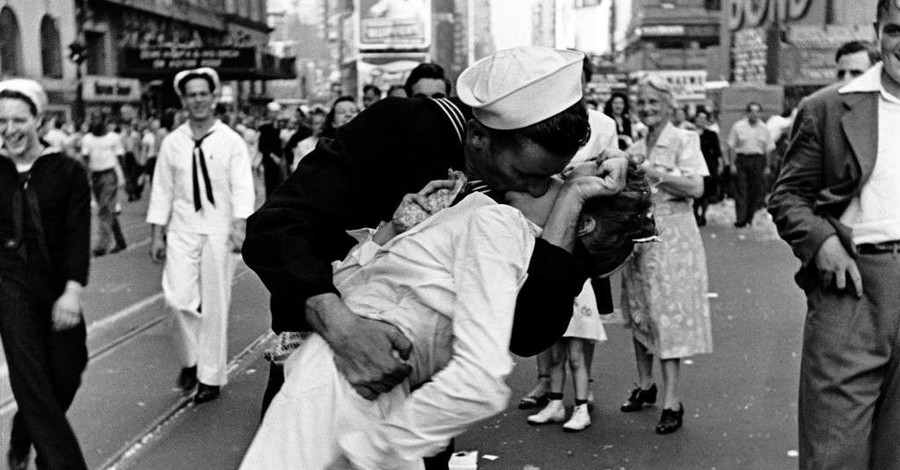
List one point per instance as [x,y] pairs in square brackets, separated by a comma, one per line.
[169,60]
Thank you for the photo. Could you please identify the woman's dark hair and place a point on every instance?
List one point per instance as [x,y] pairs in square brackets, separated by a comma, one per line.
[328,130]
[562,134]
[22,97]
[624,220]
[607,108]
[98,127]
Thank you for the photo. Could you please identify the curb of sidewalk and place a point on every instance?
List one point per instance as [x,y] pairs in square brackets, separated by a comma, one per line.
[158,429]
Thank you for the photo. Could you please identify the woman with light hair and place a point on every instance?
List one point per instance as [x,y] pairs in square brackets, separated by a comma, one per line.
[664,285]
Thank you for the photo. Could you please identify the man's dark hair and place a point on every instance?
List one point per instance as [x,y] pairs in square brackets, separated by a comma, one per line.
[98,127]
[562,134]
[853,47]
[625,219]
[426,70]
[182,84]
[702,111]
[372,88]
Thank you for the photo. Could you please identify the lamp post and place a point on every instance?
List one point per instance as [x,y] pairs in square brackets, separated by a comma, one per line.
[77,54]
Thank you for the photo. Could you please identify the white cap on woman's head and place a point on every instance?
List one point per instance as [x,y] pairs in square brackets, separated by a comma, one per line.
[30,89]
[202,71]
[518,87]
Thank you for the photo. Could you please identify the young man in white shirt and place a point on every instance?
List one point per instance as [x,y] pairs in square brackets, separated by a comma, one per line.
[201,197]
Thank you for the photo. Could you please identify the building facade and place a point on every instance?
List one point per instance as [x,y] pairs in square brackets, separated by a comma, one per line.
[792,43]
[672,35]
[34,37]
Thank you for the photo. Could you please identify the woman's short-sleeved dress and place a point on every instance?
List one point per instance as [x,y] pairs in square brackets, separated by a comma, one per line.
[664,285]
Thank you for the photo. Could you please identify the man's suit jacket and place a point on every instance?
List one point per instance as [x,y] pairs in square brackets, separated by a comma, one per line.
[831,156]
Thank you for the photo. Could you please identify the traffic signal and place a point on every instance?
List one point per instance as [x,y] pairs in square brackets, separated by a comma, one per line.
[77,52]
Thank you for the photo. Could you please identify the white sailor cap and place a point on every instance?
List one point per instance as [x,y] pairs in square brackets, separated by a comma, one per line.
[518,87]
[194,73]
[28,88]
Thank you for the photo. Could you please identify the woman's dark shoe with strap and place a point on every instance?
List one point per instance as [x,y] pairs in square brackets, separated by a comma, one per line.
[639,398]
[531,402]
[671,420]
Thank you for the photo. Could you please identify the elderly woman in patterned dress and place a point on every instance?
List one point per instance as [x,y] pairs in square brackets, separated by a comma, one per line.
[664,285]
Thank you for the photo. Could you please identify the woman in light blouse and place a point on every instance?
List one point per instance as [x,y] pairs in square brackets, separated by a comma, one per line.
[664,285]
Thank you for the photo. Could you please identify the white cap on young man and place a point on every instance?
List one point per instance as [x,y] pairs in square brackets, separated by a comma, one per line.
[518,87]
[30,89]
[202,71]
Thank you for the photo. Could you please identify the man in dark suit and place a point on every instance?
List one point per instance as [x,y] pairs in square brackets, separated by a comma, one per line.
[835,202]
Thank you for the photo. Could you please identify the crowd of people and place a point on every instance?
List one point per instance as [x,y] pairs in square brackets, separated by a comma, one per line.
[426,240]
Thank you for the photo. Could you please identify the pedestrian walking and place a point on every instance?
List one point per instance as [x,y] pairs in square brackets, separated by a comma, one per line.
[664,285]
[749,146]
[396,147]
[131,167]
[712,154]
[201,196]
[835,203]
[271,149]
[103,152]
[45,231]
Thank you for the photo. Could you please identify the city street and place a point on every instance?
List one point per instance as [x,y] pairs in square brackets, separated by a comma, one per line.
[740,402]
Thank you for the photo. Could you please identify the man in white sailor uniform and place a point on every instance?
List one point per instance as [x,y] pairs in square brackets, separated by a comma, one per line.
[201,197]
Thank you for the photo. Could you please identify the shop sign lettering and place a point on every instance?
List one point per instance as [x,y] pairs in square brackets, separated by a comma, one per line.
[754,13]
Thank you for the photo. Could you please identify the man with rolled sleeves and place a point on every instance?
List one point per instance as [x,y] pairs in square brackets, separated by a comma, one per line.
[201,196]
[506,131]
[835,202]
[749,146]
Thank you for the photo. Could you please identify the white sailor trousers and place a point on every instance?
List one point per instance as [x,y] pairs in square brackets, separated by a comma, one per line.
[196,283]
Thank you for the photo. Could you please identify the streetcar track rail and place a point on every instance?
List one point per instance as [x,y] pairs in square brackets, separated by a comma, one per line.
[8,405]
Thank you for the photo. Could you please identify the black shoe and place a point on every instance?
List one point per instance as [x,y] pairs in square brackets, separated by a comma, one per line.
[98,252]
[740,224]
[17,461]
[701,221]
[531,402]
[639,398]
[671,420]
[206,393]
[187,380]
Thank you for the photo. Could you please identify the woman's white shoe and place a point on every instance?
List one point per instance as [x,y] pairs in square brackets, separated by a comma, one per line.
[554,412]
[580,419]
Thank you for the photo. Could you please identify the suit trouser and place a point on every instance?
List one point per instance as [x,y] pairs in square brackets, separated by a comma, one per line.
[750,186]
[45,368]
[196,283]
[106,185]
[849,410]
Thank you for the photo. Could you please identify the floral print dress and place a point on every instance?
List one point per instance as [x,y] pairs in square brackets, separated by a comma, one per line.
[664,285]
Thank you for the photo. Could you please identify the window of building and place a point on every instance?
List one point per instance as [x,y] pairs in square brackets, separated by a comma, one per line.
[96,52]
[51,56]
[10,43]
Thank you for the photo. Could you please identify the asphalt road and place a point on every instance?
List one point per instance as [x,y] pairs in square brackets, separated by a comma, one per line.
[740,401]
